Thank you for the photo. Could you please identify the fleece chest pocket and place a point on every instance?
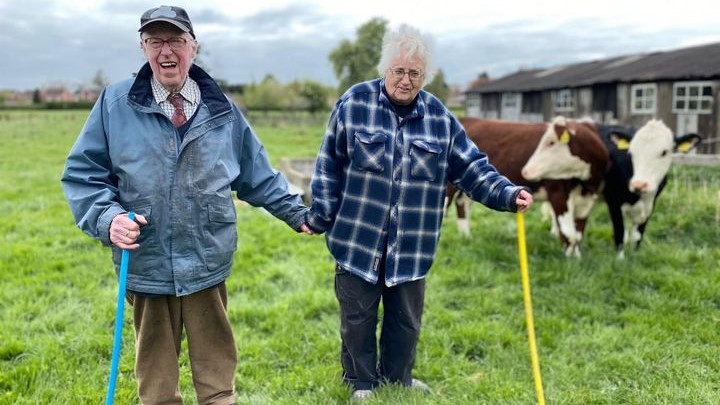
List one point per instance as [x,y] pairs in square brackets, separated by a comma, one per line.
[424,159]
[369,151]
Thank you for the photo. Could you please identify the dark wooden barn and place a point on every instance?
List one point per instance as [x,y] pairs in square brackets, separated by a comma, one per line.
[679,86]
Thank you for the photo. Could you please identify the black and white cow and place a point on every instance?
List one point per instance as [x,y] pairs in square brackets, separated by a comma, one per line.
[641,159]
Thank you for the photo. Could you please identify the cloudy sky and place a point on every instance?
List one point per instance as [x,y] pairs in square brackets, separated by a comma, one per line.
[68,41]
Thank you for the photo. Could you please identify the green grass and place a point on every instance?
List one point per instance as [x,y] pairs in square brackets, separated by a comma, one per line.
[639,331]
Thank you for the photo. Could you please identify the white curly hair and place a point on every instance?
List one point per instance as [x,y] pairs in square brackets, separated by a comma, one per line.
[410,40]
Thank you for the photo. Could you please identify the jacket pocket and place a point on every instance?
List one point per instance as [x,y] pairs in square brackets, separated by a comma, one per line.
[369,152]
[220,233]
[148,254]
[424,159]
[147,232]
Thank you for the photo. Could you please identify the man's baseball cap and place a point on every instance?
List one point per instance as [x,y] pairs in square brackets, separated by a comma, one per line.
[171,14]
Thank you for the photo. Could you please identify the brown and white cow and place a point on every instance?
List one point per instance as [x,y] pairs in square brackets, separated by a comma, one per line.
[509,147]
[570,151]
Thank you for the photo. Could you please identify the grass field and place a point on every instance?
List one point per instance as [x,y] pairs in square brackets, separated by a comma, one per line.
[645,330]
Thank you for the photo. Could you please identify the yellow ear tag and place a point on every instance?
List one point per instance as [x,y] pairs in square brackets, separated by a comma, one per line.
[623,144]
[684,147]
[565,137]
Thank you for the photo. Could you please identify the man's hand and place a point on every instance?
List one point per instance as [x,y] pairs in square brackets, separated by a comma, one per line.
[524,201]
[124,232]
[305,228]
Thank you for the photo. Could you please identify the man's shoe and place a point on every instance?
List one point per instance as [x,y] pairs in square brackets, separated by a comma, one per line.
[361,395]
[418,385]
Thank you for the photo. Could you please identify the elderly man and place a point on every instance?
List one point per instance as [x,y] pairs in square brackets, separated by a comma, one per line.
[170,146]
[378,190]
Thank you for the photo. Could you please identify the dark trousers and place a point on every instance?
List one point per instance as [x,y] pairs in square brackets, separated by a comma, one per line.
[402,312]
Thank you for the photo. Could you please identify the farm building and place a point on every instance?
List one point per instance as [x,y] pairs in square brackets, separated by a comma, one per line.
[680,87]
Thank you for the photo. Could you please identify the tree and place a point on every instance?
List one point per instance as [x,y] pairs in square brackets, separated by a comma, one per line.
[314,94]
[100,81]
[357,62]
[37,97]
[438,87]
[266,95]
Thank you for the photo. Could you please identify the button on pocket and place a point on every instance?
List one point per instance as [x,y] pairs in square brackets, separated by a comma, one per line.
[369,152]
[424,158]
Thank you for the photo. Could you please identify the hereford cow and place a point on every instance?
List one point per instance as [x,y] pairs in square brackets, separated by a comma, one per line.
[641,159]
[509,146]
[570,151]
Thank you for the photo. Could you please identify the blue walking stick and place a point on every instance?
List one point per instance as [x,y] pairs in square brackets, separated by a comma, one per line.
[125,259]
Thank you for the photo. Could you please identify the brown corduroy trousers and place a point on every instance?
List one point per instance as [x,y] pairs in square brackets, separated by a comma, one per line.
[159,323]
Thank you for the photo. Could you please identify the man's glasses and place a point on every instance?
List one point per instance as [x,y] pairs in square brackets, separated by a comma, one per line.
[157,43]
[399,73]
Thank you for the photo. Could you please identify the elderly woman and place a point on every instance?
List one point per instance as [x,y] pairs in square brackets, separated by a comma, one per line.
[378,190]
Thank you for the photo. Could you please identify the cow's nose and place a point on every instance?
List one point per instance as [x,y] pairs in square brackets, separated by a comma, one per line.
[638,186]
[526,174]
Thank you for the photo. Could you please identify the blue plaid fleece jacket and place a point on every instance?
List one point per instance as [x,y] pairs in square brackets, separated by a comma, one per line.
[380,181]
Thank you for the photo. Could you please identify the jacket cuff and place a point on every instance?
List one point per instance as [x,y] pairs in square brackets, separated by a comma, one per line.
[297,219]
[514,195]
[317,224]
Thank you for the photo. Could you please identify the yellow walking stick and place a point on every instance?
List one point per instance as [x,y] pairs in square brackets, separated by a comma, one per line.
[528,308]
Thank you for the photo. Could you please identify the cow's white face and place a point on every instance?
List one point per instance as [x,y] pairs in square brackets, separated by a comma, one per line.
[553,159]
[651,151]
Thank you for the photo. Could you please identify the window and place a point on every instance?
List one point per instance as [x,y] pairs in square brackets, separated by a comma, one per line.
[472,100]
[473,105]
[510,101]
[510,109]
[604,98]
[563,100]
[532,102]
[693,97]
[490,102]
[644,98]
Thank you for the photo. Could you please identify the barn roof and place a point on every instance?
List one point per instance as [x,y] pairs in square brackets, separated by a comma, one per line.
[694,63]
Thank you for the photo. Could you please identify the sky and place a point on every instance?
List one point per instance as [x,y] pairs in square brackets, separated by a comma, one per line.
[48,42]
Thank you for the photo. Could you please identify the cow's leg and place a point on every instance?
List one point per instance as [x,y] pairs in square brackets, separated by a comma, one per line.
[462,202]
[566,224]
[649,207]
[582,205]
[579,233]
[639,215]
[564,219]
[640,234]
[616,216]
[462,207]
[547,212]
[572,224]
[449,195]
[634,236]
[568,231]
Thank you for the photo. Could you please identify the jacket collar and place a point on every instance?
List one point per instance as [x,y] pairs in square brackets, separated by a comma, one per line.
[210,93]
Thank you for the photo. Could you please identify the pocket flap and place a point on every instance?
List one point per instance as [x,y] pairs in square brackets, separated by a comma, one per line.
[427,146]
[370,138]
[221,213]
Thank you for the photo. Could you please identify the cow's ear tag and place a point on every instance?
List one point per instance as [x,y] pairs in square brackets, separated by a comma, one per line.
[684,147]
[565,137]
[623,144]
